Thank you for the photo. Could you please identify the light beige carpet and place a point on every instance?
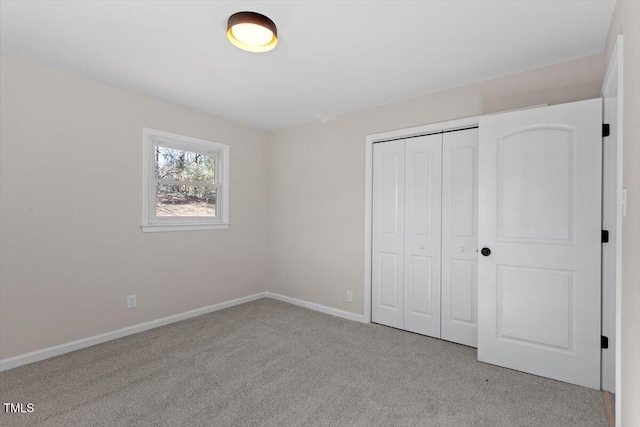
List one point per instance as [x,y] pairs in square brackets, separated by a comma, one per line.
[268,363]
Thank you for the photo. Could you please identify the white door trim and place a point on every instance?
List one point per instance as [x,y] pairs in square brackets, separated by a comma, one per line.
[368,186]
[613,87]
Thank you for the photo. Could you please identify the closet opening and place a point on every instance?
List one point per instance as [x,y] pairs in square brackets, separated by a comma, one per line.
[390,136]
[424,234]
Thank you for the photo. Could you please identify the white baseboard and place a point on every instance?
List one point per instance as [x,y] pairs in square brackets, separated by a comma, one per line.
[317,307]
[46,353]
[35,356]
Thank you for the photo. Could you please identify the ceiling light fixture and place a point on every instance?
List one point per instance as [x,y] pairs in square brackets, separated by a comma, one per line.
[252,31]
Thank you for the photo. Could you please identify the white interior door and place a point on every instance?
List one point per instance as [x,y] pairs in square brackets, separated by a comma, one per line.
[388,234]
[423,175]
[540,216]
[460,236]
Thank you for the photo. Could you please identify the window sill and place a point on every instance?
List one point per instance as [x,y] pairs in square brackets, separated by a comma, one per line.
[159,228]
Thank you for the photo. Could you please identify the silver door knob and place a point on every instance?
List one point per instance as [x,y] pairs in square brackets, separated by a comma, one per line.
[421,246]
[461,249]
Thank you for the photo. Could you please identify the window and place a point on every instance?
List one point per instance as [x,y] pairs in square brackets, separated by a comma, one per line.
[186,183]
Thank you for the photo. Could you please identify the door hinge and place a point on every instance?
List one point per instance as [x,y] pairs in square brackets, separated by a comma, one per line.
[604,341]
[606,130]
[605,236]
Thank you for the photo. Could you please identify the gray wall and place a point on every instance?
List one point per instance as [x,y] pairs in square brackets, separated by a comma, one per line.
[71,248]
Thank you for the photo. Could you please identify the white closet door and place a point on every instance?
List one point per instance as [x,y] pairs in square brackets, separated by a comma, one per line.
[388,233]
[539,215]
[423,171]
[460,236]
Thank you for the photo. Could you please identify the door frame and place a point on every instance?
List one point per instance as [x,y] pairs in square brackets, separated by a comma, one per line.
[450,125]
[611,313]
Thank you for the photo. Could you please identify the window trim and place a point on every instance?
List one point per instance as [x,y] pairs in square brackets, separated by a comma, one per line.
[152,223]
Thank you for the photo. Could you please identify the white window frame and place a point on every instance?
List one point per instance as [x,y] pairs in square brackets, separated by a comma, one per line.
[152,223]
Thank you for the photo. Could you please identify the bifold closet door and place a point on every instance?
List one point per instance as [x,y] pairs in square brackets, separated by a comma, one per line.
[460,236]
[406,234]
[388,234]
[423,176]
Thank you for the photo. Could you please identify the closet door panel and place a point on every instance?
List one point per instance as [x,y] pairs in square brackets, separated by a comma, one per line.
[460,236]
[423,162]
[388,234]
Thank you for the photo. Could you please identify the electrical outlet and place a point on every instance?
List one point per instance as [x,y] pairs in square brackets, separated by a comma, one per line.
[131,301]
[349,296]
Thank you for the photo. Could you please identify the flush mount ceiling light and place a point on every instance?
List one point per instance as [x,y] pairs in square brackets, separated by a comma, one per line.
[252,31]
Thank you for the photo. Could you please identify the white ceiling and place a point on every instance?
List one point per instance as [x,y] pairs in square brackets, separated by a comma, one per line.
[332,56]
